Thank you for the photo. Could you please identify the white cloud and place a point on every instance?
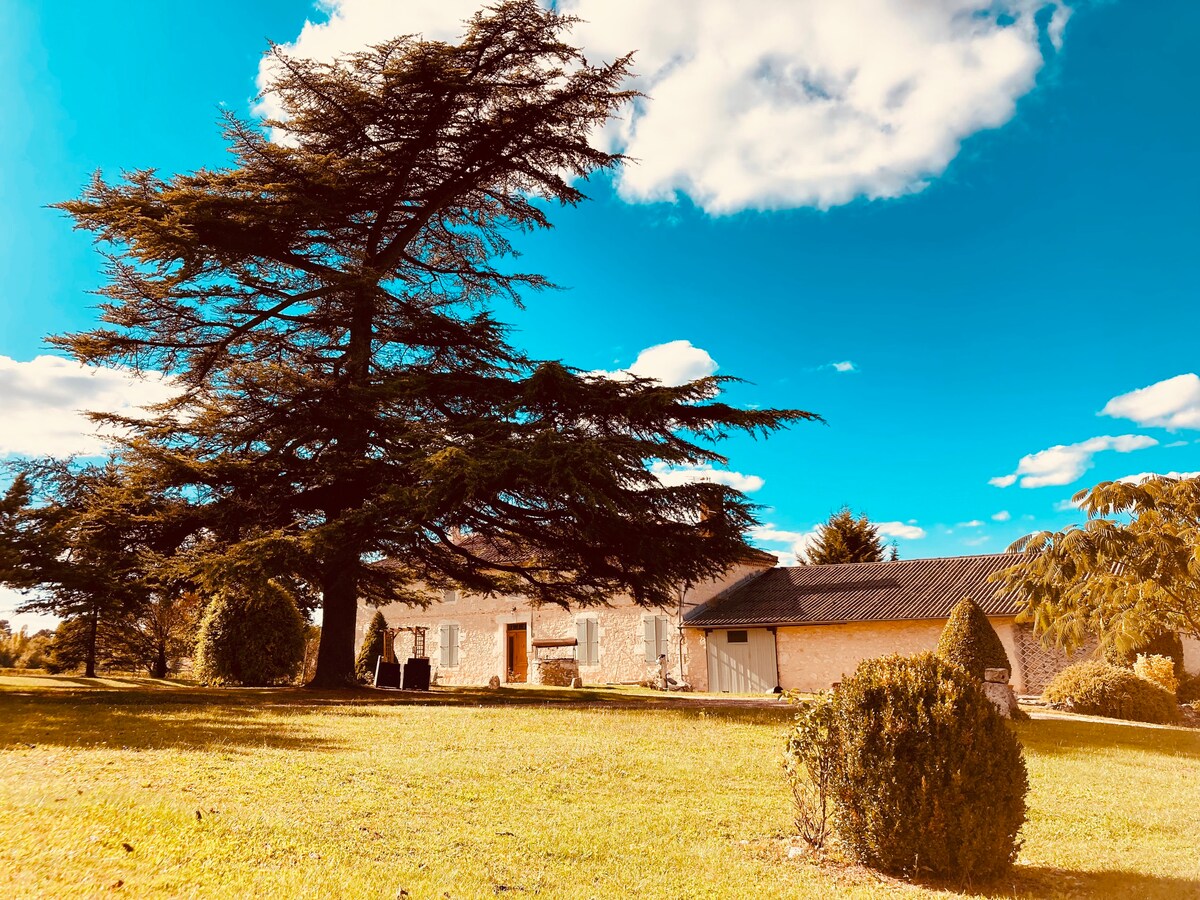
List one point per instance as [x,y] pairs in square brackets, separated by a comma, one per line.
[671,476]
[1003,516]
[1174,403]
[772,535]
[796,543]
[844,366]
[769,105]
[42,403]
[905,530]
[673,363]
[976,541]
[1065,463]
[974,523]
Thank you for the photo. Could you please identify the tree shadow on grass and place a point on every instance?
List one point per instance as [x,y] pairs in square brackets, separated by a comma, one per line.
[1049,881]
[1069,737]
[731,709]
[140,720]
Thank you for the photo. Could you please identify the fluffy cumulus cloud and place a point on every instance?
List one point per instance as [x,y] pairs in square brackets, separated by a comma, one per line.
[908,530]
[1003,516]
[42,404]
[1174,403]
[768,105]
[672,363]
[789,546]
[1065,463]
[844,366]
[675,475]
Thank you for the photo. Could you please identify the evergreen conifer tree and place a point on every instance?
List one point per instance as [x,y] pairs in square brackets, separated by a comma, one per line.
[346,392]
[846,539]
[372,648]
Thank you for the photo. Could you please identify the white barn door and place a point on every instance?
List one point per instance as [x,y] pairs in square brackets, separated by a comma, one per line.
[742,660]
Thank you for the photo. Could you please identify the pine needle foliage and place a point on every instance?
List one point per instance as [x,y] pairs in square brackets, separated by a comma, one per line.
[846,539]
[88,541]
[326,307]
[372,648]
[970,642]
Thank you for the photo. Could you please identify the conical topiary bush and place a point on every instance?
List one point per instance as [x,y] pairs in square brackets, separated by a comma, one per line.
[970,642]
[372,648]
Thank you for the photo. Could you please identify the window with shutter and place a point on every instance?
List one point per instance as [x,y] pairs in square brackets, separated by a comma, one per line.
[657,636]
[587,637]
[448,644]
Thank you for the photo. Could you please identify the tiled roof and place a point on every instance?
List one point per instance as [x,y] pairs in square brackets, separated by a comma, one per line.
[495,550]
[508,552]
[860,592]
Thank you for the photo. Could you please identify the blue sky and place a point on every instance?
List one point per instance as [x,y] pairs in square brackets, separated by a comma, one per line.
[1028,258]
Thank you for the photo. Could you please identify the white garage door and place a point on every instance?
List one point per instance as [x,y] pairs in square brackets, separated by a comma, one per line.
[742,660]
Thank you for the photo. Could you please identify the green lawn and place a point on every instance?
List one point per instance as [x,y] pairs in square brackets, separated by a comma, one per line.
[144,788]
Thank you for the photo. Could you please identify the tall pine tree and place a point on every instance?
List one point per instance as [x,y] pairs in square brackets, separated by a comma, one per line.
[846,539]
[346,392]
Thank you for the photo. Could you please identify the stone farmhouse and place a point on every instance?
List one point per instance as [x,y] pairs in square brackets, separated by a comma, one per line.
[758,628]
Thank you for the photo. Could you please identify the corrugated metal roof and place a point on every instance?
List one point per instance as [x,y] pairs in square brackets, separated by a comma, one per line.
[861,592]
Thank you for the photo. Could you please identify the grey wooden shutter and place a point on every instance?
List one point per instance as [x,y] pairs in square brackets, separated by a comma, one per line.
[650,626]
[660,636]
[448,645]
[587,638]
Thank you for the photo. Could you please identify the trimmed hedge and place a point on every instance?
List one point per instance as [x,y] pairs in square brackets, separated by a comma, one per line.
[929,778]
[970,642]
[251,637]
[1097,688]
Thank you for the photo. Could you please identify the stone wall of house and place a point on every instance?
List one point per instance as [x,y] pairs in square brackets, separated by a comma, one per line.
[482,623]
[1191,655]
[814,657]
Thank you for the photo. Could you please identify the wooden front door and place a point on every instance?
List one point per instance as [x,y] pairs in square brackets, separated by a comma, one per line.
[516,653]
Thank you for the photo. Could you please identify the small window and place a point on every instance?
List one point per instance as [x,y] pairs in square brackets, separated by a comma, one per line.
[448,644]
[449,595]
[737,637]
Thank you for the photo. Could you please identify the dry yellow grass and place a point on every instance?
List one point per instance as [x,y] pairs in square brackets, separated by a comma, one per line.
[144,790]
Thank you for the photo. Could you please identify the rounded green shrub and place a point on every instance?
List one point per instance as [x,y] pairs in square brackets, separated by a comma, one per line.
[970,642]
[250,637]
[929,778]
[1096,688]
[372,648]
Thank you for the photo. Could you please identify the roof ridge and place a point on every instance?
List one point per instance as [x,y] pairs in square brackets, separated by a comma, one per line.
[892,562]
